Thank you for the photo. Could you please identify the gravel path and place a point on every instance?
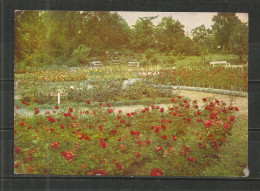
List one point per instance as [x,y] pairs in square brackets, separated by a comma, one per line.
[240,102]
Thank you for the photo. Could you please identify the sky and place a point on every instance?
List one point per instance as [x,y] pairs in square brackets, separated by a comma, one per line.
[190,20]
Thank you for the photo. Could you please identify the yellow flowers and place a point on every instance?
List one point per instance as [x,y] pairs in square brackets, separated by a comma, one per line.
[63,75]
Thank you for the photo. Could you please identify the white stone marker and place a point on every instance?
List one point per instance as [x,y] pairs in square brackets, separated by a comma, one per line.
[59,94]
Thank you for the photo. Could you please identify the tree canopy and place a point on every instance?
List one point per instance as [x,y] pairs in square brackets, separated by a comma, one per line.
[43,36]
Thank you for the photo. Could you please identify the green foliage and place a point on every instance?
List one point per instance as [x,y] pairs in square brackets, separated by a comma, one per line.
[72,38]
[143,35]
[231,34]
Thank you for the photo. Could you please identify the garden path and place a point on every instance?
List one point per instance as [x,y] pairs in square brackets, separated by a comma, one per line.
[240,102]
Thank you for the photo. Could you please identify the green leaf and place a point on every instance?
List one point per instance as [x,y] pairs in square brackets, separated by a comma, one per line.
[35,141]
[26,149]
[46,146]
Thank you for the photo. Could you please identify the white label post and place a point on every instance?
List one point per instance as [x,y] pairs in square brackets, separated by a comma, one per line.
[59,94]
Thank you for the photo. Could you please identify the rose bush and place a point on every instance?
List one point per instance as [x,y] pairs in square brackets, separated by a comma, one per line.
[182,140]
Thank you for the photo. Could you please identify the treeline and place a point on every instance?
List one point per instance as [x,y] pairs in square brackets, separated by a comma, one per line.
[47,37]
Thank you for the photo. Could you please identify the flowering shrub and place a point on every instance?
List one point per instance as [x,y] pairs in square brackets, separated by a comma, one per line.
[181,140]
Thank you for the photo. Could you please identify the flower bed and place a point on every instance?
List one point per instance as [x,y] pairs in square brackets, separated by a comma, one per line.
[182,140]
[234,79]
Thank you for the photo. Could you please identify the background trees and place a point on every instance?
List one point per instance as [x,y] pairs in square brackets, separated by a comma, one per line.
[57,37]
[230,33]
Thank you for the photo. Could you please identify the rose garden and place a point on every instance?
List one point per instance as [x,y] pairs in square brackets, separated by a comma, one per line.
[124,113]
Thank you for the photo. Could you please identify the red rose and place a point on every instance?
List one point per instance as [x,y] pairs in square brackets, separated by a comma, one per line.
[22,123]
[103,144]
[204,99]
[174,138]
[54,145]
[18,150]
[226,126]
[51,119]
[181,115]
[70,110]
[69,155]
[148,142]
[169,121]
[119,166]
[161,110]
[164,137]
[163,127]
[88,102]
[191,159]
[110,111]
[157,172]
[236,108]
[113,131]
[87,138]
[57,107]
[232,118]
[140,143]
[158,148]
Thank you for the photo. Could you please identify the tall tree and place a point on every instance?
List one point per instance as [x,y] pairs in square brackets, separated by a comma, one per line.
[223,27]
[239,41]
[63,31]
[169,33]
[143,34]
[29,36]
[230,33]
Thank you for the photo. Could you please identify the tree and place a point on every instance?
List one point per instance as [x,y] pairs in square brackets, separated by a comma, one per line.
[143,36]
[29,36]
[239,41]
[202,36]
[62,32]
[223,27]
[230,33]
[169,33]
